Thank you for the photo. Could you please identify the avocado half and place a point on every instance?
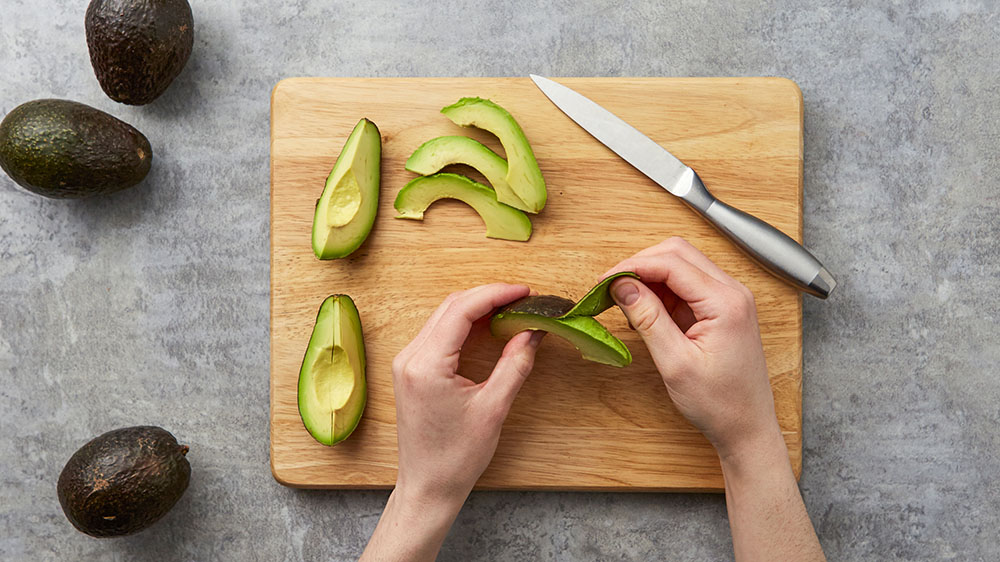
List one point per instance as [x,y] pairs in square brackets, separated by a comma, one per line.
[346,210]
[572,322]
[523,174]
[437,153]
[501,221]
[332,385]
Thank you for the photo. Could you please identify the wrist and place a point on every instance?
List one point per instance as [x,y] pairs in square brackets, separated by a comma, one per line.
[761,453]
[425,499]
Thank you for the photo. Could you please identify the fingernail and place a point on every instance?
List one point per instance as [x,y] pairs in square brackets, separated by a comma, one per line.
[625,293]
[536,338]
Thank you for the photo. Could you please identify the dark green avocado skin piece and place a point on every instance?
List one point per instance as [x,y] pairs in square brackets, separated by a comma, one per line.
[550,306]
[123,481]
[67,150]
[598,299]
[138,47]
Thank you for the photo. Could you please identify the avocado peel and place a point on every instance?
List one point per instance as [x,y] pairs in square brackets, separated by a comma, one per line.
[572,322]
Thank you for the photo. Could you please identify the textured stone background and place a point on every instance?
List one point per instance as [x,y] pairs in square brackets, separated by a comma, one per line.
[151,306]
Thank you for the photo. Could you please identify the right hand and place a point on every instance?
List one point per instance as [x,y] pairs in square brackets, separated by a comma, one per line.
[700,326]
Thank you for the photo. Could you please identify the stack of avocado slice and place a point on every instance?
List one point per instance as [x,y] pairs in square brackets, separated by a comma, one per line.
[518,186]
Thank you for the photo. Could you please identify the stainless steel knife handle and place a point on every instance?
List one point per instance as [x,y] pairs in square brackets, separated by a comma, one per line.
[771,248]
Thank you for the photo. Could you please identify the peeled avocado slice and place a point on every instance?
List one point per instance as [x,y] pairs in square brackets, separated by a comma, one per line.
[345,212]
[523,174]
[437,153]
[501,221]
[332,385]
[572,322]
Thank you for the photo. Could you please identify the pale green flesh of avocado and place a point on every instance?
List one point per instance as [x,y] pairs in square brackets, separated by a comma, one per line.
[437,153]
[332,386]
[346,210]
[593,340]
[501,221]
[523,174]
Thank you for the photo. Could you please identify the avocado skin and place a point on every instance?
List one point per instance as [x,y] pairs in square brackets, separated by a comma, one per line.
[542,305]
[123,481]
[138,47]
[67,150]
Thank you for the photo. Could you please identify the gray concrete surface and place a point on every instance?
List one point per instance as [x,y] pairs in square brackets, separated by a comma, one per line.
[151,306]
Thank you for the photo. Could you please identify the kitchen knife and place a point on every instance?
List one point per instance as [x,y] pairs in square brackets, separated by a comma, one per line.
[771,248]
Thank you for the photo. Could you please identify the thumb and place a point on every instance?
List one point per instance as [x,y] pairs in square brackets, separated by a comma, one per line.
[646,313]
[513,368]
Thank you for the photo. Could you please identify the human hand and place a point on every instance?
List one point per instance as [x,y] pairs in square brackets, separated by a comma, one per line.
[448,426]
[700,326]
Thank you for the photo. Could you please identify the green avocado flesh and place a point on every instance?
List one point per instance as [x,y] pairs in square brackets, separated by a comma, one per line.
[501,221]
[437,153]
[67,150]
[332,385]
[346,210]
[523,174]
[572,322]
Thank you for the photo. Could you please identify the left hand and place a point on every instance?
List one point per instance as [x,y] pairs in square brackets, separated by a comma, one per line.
[448,426]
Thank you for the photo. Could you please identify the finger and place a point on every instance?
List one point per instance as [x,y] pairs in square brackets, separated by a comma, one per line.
[512,369]
[452,328]
[686,250]
[646,313]
[435,316]
[695,287]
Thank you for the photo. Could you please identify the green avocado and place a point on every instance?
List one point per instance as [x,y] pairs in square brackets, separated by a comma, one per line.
[523,174]
[64,149]
[437,153]
[138,47]
[572,322]
[123,481]
[501,221]
[346,210]
[332,385]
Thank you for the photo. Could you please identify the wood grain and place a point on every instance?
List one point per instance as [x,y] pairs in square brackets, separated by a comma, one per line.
[576,425]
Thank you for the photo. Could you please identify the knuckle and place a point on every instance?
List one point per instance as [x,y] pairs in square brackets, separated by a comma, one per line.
[646,318]
[674,244]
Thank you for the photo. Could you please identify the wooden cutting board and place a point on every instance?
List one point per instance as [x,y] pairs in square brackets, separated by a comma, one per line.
[575,425]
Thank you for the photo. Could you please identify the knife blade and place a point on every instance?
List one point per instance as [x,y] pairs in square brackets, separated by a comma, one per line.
[774,250]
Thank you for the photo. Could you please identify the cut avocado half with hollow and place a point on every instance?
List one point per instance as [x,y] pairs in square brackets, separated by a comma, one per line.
[332,385]
[572,322]
[346,210]
[501,221]
[437,153]
[523,174]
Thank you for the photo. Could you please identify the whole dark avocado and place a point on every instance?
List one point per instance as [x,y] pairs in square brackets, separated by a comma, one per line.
[138,47]
[123,481]
[64,150]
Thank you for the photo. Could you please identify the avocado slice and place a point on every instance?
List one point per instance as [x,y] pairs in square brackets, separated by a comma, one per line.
[523,174]
[572,322]
[346,211]
[67,150]
[545,312]
[437,153]
[501,221]
[332,385]
[138,47]
[123,481]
